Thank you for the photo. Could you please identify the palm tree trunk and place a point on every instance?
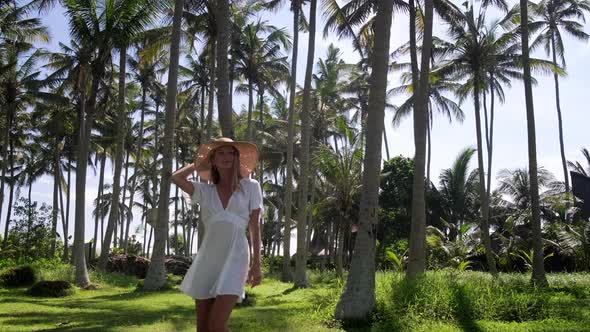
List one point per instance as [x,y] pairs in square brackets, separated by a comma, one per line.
[86,118]
[6,140]
[55,209]
[340,248]
[223,33]
[490,146]
[212,75]
[176,215]
[261,125]
[310,214]
[538,275]
[333,229]
[413,47]
[98,199]
[417,253]
[122,231]
[11,194]
[119,147]
[145,226]
[485,205]
[358,299]
[386,143]
[30,213]
[301,259]
[63,219]
[250,108]
[156,275]
[560,122]
[202,119]
[67,225]
[184,232]
[429,151]
[138,161]
[286,274]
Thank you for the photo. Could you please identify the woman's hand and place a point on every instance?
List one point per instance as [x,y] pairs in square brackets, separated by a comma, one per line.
[180,179]
[254,275]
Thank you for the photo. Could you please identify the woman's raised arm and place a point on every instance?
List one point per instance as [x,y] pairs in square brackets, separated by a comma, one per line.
[180,179]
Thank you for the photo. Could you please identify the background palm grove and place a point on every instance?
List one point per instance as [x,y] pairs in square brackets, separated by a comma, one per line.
[93,123]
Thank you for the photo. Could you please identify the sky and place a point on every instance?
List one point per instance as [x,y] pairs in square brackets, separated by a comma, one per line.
[448,140]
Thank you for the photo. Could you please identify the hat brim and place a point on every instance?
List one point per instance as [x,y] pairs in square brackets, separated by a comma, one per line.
[248,158]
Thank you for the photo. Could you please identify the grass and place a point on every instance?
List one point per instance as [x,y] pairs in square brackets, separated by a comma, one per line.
[440,301]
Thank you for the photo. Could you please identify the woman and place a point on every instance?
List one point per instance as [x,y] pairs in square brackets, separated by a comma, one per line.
[229,202]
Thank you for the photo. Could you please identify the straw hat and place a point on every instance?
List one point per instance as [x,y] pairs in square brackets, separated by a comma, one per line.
[248,156]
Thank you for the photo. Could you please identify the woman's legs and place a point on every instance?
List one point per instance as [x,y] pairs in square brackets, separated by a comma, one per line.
[219,314]
[203,310]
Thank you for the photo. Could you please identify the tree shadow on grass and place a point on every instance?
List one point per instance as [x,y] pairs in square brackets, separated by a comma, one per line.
[290,290]
[463,311]
[100,313]
[132,309]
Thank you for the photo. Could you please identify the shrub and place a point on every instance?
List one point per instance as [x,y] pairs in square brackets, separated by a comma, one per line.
[18,276]
[51,288]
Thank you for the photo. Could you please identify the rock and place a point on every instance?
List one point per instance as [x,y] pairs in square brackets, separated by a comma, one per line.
[177,265]
[128,264]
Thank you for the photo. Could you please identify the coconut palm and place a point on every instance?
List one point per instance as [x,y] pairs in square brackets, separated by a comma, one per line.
[156,275]
[420,81]
[342,170]
[458,188]
[301,260]
[133,18]
[578,167]
[19,84]
[358,299]
[552,19]
[296,8]
[476,48]
[256,54]
[538,276]
[437,101]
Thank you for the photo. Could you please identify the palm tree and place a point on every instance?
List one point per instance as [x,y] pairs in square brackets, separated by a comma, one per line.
[17,34]
[417,253]
[18,86]
[477,49]
[134,17]
[436,101]
[330,94]
[515,185]
[301,260]
[296,7]
[65,69]
[538,275]
[553,18]
[578,167]
[358,299]
[257,54]
[222,18]
[458,189]
[145,70]
[156,276]
[342,170]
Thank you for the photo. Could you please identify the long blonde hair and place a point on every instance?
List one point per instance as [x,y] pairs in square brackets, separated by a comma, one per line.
[236,175]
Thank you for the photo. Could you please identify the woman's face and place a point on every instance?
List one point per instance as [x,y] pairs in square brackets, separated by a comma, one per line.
[223,157]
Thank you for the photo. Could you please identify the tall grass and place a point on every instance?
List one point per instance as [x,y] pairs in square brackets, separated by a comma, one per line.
[467,297]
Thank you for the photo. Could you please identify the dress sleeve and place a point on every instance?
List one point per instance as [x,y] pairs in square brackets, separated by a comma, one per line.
[197,193]
[256,201]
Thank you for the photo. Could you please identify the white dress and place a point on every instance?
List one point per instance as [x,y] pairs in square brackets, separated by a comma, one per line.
[222,262]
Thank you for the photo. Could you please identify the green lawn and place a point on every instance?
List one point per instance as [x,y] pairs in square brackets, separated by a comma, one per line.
[442,301]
